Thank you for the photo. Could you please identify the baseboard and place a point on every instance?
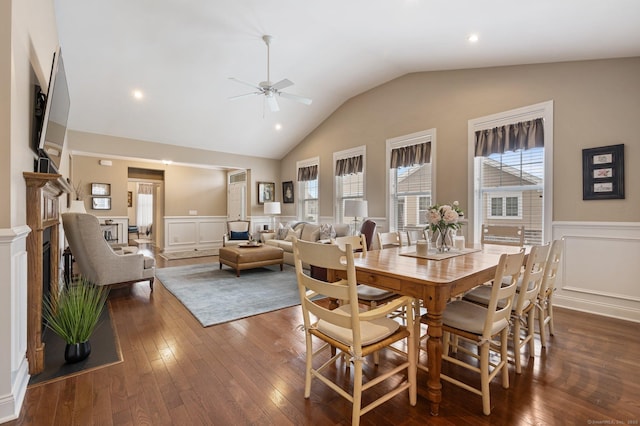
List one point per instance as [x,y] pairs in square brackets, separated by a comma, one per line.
[10,405]
[597,308]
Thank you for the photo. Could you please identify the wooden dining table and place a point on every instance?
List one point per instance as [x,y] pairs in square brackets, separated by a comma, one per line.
[432,281]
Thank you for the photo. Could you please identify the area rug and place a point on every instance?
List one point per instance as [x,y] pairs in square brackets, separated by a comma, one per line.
[190,254]
[105,351]
[217,296]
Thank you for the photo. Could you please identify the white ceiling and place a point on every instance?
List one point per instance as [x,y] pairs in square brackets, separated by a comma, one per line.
[182,53]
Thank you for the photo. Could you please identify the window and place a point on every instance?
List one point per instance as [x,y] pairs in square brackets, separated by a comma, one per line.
[512,184]
[349,179]
[410,179]
[308,205]
[505,206]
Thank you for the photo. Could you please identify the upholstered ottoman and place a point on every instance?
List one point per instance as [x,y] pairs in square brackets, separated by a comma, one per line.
[247,257]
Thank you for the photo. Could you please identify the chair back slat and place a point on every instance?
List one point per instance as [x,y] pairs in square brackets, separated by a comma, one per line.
[358,243]
[551,268]
[531,278]
[505,235]
[503,291]
[388,239]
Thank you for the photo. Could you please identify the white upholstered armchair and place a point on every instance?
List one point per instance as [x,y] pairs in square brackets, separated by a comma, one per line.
[97,260]
[238,232]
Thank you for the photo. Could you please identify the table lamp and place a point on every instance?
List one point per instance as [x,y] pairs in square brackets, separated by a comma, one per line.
[272,209]
[356,209]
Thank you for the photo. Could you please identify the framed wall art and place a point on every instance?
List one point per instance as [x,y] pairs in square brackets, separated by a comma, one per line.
[287,192]
[129,198]
[101,189]
[603,173]
[266,192]
[101,203]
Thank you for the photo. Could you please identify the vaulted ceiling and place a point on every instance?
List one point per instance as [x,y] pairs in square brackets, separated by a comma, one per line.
[180,55]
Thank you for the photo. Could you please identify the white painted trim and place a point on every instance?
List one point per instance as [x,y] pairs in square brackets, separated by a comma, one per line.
[542,109]
[429,135]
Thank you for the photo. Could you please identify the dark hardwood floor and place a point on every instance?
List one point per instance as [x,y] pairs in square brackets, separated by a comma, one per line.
[251,372]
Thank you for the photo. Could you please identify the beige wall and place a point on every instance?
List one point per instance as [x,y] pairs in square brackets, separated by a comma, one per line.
[185,194]
[186,188]
[596,103]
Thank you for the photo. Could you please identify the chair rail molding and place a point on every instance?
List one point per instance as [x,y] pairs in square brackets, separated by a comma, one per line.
[599,268]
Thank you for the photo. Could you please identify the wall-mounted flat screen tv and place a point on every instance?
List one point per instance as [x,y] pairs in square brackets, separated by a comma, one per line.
[54,117]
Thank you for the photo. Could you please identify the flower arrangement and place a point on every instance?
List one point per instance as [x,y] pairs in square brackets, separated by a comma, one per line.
[442,219]
[444,216]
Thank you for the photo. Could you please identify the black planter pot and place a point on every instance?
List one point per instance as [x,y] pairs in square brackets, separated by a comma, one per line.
[76,352]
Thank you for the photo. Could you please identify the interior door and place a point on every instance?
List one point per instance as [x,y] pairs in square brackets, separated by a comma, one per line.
[236,196]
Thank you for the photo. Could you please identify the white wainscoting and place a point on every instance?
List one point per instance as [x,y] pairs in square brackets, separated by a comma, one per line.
[183,233]
[14,368]
[600,269]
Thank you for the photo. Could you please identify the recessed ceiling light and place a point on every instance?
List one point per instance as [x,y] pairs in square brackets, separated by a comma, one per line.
[138,94]
[278,126]
[473,38]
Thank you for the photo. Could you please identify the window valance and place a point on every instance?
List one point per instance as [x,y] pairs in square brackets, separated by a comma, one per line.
[145,188]
[511,137]
[411,155]
[349,166]
[308,173]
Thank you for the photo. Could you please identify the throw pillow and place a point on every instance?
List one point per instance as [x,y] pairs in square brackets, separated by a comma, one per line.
[239,235]
[281,234]
[291,233]
[326,231]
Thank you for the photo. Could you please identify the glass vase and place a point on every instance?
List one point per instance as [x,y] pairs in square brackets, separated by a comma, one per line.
[444,240]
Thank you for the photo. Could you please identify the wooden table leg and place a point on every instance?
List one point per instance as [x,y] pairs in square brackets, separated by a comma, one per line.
[435,301]
[434,360]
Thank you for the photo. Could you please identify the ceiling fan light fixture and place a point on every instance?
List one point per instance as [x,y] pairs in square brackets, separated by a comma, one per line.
[269,89]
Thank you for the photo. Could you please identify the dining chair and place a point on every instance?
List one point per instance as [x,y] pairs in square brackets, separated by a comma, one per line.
[388,239]
[523,310]
[355,332]
[505,235]
[368,295]
[368,229]
[480,325]
[544,305]
[413,236]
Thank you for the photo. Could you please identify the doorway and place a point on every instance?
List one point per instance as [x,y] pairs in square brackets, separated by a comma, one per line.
[237,196]
[146,209]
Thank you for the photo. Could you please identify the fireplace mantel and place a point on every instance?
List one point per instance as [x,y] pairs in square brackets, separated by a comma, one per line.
[43,211]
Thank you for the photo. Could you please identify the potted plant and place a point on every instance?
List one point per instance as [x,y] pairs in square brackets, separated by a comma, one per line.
[73,314]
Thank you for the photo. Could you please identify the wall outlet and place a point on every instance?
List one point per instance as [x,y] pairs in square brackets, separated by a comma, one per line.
[193,212]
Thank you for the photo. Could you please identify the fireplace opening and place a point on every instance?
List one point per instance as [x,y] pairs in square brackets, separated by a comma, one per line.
[46,267]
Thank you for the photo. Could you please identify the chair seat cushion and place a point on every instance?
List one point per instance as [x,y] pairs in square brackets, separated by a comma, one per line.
[370,331]
[482,295]
[366,292]
[469,317]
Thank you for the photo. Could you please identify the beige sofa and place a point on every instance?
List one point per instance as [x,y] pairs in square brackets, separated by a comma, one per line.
[308,232]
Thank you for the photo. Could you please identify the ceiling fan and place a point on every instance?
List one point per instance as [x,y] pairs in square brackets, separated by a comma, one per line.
[271,90]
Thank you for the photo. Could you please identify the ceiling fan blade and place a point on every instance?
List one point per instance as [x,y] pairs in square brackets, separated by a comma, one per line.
[246,83]
[282,84]
[233,98]
[273,104]
[301,99]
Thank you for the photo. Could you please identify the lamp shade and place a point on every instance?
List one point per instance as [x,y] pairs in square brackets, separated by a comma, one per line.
[272,207]
[356,208]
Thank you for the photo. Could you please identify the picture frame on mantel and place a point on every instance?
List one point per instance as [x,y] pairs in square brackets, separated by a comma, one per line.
[266,192]
[603,173]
